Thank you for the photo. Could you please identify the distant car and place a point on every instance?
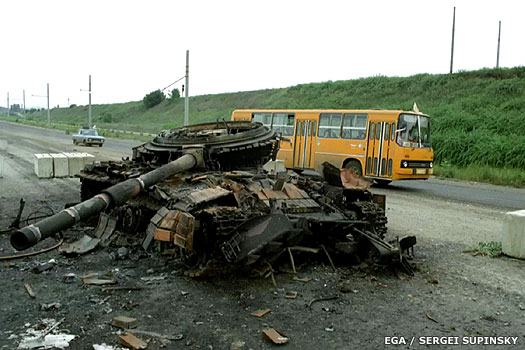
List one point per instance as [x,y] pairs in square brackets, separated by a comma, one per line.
[88,137]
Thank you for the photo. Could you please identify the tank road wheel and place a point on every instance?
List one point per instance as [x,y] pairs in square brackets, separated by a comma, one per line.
[355,166]
[193,260]
[130,219]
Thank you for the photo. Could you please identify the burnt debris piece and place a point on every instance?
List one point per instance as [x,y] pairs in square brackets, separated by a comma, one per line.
[201,192]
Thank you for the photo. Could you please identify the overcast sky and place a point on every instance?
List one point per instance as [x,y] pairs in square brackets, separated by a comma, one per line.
[131,48]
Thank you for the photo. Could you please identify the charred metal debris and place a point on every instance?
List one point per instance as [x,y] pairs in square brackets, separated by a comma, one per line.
[201,193]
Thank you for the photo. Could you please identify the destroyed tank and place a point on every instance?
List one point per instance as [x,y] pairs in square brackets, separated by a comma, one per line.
[214,194]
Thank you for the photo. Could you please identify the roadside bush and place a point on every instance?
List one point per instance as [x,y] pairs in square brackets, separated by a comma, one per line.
[153,98]
[175,94]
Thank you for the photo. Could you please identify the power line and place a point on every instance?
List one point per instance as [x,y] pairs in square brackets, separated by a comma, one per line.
[173,83]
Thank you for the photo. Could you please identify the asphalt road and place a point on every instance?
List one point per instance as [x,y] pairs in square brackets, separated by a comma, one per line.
[123,146]
[505,198]
[463,191]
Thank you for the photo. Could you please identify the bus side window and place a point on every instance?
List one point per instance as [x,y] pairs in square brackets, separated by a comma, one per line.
[387,132]
[354,126]
[372,131]
[378,131]
[393,131]
[330,125]
[290,122]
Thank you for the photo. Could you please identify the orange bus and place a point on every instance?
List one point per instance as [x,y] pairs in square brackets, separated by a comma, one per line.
[384,145]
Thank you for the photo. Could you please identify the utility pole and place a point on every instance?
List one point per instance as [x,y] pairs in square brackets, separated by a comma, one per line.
[8,109]
[453,32]
[499,39]
[186,99]
[89,109]
[24,95]
[48,113]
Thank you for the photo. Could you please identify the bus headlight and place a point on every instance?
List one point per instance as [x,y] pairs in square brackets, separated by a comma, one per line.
[431,165]
[404,164]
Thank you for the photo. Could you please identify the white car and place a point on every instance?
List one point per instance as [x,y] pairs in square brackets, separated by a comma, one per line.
[88,137]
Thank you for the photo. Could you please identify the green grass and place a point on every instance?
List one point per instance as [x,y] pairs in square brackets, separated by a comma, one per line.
[478,117]
[482,173]
[492,249]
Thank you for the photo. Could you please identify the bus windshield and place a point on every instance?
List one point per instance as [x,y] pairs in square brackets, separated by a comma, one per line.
[413,131]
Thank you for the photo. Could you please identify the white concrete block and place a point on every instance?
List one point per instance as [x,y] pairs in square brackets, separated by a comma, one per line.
[60,165]
[87,158]
[75,162]
[513,238]
[43,165]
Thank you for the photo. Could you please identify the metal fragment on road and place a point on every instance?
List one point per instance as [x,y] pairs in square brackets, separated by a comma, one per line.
[92,279]
[151,279]
[291,295]
[29,290]
[51,306]
[430,318]
[82,246]
[42,268]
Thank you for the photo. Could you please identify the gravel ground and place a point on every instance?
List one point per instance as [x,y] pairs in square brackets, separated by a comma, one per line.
[453,294]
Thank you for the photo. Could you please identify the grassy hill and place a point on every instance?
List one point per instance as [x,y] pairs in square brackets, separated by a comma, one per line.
[478,116]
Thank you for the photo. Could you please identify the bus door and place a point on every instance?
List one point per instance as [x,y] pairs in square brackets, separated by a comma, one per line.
[305,132]
[379,148]
[389,133]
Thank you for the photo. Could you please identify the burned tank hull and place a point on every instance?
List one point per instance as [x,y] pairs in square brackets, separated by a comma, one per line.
[222,207]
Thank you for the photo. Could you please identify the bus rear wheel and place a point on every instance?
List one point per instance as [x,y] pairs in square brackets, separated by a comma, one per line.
[355,166]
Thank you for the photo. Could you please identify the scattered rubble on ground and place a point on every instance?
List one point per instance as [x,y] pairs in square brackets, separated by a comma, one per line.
[45,335]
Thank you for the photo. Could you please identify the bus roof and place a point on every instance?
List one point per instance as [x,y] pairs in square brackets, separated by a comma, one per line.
[368,111]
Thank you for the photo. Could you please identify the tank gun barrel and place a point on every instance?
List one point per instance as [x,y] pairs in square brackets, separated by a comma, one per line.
[109,198]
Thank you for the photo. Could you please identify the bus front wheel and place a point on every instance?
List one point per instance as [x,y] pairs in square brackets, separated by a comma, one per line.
[355,166]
